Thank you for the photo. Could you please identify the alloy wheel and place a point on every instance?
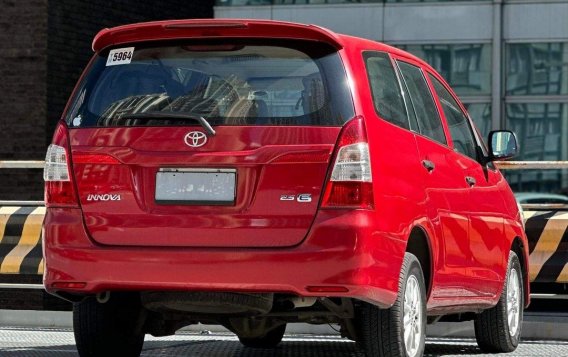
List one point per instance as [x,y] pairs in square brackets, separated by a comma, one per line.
[513,299]
[412,323]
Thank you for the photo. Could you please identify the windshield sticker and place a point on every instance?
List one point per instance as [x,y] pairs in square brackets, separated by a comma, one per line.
[120,56]
[77,120]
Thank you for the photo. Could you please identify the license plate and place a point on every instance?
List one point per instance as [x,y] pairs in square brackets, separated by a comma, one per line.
[196,186]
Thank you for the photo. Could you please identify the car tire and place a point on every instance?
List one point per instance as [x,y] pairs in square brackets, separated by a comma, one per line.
[270,340]
[107,329]
[382,331]
[499,329]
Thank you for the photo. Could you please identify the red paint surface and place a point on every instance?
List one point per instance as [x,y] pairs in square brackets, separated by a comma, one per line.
[270,162]
[263,244]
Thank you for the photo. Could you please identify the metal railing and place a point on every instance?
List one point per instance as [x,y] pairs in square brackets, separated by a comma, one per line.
[502,165]
[21,164]
[536,165]
[531,165]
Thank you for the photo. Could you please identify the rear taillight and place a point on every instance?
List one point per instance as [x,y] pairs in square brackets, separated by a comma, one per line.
[351,184]
[59,187]
[56,168]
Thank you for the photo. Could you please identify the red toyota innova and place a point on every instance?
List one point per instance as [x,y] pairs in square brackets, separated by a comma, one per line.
[257,173]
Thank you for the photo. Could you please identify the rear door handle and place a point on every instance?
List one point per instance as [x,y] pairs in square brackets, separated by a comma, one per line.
[428,165]
[470,181]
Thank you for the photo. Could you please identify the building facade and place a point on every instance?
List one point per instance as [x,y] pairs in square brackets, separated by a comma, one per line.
[44,46]
[506,59]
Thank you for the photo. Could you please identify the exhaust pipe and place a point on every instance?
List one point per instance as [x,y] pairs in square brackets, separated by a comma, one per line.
[300,301]
[104,297]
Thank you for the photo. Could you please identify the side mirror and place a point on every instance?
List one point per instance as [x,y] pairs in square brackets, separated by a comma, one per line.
[502,145]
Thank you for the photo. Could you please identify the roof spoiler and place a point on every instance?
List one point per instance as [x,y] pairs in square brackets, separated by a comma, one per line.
[212,28]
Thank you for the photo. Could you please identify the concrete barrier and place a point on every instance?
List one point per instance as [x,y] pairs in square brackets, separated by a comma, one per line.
[547,233]
[20,239]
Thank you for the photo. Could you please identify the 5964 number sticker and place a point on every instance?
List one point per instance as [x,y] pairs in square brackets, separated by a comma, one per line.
[120,56]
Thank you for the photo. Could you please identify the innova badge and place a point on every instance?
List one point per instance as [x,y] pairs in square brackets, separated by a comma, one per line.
[195,139]
[103,197]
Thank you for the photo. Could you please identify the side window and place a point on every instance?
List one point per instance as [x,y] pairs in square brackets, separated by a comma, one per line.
[387,96]
[429,122]
[460,129]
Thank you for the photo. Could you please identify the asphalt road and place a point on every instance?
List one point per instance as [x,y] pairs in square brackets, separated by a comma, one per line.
[24,342]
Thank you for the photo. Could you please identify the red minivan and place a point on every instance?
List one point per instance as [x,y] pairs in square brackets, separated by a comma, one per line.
[257,173]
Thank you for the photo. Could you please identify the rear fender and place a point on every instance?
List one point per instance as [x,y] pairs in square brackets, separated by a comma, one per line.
[427,271]
[518,237]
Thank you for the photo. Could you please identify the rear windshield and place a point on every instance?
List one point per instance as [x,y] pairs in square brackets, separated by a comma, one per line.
[236,83]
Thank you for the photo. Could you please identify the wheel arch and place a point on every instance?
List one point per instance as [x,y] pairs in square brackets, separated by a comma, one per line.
[519,248]
[419,244]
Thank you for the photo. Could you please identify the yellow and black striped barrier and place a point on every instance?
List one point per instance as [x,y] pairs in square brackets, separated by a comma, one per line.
[20,239]
[547,233]
[21,251]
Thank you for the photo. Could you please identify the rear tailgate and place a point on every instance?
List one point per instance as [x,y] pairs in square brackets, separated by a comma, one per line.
[274,165]
[149,175]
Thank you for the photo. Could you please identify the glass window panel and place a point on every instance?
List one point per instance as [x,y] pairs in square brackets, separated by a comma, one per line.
[387,96]
[240,82]
[537,68]
[242,2]
[480,113]
[292,2]
[426,0]
[285,2]
[466,67]
[429,121]
[458,123]
[288,2]
[542,131]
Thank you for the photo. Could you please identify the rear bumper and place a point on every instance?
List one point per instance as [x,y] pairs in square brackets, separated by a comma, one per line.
[342,250]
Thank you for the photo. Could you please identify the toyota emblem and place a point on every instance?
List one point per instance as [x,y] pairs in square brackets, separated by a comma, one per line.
[195,139]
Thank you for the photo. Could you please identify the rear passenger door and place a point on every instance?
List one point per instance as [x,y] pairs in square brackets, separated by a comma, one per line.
[398,191]
[446,190]
[486,206]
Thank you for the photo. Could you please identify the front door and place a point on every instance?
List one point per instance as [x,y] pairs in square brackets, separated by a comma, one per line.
[484,251]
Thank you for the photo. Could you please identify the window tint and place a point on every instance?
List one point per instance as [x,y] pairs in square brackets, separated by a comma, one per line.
[460,129]
[228,82]
[429,121]
[385,89]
